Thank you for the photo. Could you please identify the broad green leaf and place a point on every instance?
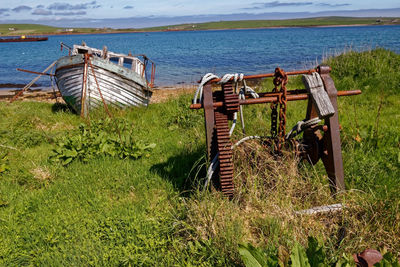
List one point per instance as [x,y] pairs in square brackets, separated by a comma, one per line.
[67,161]
[3,167]
[388,261]
[299,256]
[71,153]
[251,256]
[152,145]
[345,261]
[315,253]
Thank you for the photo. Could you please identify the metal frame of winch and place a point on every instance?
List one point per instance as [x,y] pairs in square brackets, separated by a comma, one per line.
[318,141]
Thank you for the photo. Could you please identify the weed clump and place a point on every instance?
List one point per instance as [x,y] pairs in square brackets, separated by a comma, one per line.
[103,137]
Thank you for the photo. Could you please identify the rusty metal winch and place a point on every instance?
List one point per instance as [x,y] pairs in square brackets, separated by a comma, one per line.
[318,141]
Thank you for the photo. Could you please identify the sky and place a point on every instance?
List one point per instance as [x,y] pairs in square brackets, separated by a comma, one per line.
[73,11]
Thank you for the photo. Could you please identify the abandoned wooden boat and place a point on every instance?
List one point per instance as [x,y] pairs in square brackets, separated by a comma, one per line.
[89,78]
[23,38]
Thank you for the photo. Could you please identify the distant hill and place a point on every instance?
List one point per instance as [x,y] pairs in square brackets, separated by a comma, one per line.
[37,29]
[307,22]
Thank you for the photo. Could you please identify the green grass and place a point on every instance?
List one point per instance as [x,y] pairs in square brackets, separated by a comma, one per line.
[309,22]
[20,29]
[149,212]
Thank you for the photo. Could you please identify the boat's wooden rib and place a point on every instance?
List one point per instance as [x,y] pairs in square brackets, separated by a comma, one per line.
[119,86]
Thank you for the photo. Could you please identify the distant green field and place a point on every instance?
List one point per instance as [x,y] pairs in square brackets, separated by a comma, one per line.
[310,22]
[20,29]
[37,29]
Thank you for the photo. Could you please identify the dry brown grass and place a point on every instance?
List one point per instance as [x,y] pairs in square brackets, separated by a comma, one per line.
[41,173]
[269,191]
[50,127]
[164,94]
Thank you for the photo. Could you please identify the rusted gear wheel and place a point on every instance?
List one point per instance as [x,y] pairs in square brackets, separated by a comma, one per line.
[224,145]
[231,100]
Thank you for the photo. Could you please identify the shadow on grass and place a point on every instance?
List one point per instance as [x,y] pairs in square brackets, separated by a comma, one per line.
[185,171]
[61,107]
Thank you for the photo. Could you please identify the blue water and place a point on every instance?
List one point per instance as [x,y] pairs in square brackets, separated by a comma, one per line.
[183,57]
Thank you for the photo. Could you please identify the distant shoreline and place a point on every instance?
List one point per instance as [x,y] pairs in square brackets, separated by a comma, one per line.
[192,30]
[47,94]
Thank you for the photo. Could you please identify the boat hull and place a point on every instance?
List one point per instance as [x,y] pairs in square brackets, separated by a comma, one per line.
[98,82]
[27,39]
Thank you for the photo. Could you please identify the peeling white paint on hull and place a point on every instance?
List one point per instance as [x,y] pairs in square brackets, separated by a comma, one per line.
[119,86]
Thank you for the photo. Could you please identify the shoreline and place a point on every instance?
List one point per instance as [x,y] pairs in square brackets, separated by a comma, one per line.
[192,30]
[46,94]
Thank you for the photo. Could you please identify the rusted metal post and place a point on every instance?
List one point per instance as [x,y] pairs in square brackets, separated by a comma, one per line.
[208,117]
[332,156]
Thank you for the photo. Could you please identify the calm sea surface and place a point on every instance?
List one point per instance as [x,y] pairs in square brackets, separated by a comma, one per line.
[183,57]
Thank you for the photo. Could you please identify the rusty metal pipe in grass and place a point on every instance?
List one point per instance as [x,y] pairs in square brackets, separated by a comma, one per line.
[267,75]
[274,97]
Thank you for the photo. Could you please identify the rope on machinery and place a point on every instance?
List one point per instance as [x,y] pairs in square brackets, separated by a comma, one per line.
[301,126]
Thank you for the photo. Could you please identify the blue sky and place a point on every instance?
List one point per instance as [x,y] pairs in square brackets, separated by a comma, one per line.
[59,10]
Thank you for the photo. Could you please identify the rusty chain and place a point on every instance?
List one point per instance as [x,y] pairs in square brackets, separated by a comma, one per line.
[280,80]
[282,108]
[274,110]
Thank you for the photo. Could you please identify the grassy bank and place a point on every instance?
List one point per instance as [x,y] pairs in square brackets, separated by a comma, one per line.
[254,24]
[38,29]
[147,211]
[19,29]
